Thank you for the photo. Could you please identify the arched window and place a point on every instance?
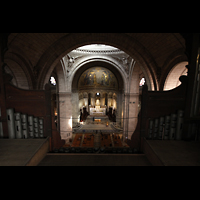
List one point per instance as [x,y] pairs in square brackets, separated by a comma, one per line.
[142,81]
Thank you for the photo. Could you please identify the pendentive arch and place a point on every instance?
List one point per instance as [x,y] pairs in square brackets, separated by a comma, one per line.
[17,64]
[173,60]
[100,60]
[19,74]
[63,46]
[172,81]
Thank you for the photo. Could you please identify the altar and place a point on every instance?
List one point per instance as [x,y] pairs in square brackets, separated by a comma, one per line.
[97,111]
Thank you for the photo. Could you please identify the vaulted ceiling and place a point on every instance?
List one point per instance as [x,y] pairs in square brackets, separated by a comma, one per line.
[36,53]
[34,45]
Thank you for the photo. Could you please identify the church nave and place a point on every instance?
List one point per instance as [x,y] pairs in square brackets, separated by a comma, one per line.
[99,99]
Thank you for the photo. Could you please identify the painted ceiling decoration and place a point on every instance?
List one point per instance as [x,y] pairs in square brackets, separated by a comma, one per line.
[98,77]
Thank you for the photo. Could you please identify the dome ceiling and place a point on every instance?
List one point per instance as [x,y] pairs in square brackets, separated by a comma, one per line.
[98,48]
[97,77]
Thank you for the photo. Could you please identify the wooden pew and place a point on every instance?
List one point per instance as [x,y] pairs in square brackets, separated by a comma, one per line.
[106,140]
[88,140]
[117,141]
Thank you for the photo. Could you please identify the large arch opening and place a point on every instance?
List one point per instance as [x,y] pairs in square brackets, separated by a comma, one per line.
[98,89]
[75,41]
[113,89]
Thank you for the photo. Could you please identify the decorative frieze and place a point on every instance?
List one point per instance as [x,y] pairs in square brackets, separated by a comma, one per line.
[98,51]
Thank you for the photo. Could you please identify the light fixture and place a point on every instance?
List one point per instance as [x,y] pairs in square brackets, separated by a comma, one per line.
[142,81]
[70,122]
[53,80]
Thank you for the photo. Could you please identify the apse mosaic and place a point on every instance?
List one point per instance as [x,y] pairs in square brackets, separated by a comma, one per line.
[98,77]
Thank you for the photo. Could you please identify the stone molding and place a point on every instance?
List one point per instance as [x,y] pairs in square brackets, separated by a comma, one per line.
[98,51]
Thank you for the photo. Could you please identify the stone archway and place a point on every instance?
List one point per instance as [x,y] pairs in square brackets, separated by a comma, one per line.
[106,94]
[66,44]
[128,98]
[69,93]
[21,79]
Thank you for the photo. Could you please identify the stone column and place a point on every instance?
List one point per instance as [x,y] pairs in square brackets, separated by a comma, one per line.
[125,115]
[114,103]
[102,99]
[75,108]
[92,99]
[119,110]
[109,100]
[80,102]
[133,113]
[85,100]
[65,115]
[133,102]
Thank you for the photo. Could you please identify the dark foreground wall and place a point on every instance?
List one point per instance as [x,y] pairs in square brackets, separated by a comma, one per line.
[155,104]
